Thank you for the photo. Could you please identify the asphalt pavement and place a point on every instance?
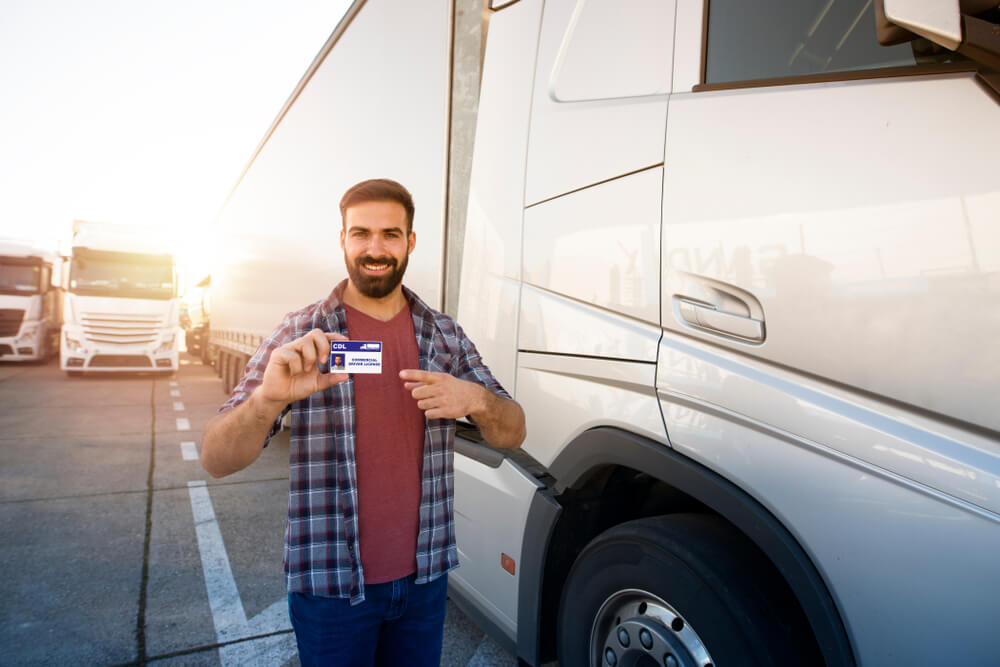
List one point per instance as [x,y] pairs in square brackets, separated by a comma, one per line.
[118,549]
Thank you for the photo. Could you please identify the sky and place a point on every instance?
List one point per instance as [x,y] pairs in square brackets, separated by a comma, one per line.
[141,111]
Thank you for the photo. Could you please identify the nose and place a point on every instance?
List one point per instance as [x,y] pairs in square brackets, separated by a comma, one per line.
[376,246]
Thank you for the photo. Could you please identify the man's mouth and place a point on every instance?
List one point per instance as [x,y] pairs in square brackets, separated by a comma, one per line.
[376,267]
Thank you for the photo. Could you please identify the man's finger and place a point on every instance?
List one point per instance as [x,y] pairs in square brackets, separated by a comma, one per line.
[418,390]
[319,344]
[327,380]
[309,353]
[294,363]
[416,375]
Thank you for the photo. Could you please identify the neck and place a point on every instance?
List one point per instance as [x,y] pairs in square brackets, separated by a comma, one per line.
[383,309]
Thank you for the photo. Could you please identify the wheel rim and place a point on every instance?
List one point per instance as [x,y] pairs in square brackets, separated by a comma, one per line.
[634,628]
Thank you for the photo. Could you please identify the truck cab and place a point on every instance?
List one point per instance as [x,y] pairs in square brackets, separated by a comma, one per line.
[30,302]
[122,306]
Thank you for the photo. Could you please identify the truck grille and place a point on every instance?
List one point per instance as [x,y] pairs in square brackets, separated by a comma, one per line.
[10,321]
[123,329]
[119,360]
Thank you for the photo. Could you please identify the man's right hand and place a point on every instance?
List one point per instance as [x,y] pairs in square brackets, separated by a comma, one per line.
[292,372]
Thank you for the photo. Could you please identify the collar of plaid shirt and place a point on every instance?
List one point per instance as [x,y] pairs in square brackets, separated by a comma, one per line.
[322,553]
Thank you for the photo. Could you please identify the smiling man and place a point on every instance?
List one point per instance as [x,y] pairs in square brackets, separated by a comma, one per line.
[370,535]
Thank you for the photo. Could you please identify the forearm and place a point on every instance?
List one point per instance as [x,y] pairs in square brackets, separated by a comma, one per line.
[234,439]
[500,420]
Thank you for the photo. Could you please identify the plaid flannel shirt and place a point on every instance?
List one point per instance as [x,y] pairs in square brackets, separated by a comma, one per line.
[322,555]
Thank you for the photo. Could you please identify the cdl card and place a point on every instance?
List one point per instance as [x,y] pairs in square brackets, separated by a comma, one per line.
[355,356]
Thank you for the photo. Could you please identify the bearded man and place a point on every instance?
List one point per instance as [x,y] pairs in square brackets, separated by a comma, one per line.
[370,535]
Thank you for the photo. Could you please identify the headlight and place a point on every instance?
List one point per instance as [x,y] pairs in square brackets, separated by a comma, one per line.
[73,345]
[166,345]
[28,333]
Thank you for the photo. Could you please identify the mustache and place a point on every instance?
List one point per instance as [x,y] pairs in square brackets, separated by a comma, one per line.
[368,259]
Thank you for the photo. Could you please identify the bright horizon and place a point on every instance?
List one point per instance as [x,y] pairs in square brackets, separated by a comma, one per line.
[142,113]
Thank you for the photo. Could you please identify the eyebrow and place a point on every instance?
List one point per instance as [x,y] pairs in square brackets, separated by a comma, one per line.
[368,229]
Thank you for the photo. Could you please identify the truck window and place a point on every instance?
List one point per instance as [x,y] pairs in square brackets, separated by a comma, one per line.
[768,39]
[613,51]
[19,278]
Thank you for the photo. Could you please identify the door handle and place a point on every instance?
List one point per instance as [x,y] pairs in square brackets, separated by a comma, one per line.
[705,316]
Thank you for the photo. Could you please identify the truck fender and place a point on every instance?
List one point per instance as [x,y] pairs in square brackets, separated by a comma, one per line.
[605,446]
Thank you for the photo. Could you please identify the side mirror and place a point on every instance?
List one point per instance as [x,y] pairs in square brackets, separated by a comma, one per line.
[952,24]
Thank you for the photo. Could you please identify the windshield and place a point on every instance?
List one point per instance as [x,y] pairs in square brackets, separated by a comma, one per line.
[18,277]
[102,273]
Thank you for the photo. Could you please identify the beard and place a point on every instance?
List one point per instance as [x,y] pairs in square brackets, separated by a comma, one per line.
[376,287]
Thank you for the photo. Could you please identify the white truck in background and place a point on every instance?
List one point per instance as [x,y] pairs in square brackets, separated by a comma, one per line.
[31,294]
[122,307]
[740,263]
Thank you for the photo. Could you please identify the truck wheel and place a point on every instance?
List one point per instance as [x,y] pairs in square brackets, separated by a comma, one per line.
[683,590]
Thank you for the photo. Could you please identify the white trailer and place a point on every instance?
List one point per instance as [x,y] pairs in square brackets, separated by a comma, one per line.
[122,307]
[30,302]
[739,262]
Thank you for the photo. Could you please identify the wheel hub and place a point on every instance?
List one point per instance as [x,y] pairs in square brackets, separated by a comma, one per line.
[635,629]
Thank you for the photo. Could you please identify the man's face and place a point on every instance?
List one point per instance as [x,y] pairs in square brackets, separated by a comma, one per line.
[376,246]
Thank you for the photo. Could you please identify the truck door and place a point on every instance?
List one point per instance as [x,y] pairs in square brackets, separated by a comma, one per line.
[831,276]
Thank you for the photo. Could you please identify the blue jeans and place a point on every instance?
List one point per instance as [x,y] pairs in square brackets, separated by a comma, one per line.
[399,623]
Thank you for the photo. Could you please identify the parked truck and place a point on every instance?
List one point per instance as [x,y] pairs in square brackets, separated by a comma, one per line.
[739,262]
[122,307]
[30,301]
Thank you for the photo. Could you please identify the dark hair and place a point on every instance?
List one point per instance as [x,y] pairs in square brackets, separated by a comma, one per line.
[378,189]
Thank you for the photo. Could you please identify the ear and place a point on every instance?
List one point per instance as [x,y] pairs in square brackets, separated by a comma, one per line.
[413,242]
[342,232]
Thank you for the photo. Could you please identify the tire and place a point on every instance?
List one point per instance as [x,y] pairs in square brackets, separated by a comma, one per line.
[685,590]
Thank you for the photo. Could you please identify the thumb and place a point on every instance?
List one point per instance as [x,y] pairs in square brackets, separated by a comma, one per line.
[327,380]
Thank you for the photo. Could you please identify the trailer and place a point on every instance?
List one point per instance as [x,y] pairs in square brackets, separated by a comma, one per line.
[740,264]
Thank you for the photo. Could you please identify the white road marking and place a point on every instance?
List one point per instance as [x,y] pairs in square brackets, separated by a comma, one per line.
[224,600]
[189,451]
[178,406]
[175,392]
[183,424]
[173,383]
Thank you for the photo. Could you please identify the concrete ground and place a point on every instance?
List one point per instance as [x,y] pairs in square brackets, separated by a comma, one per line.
[118,549]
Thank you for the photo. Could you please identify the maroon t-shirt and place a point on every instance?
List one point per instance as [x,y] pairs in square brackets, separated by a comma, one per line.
[389,435]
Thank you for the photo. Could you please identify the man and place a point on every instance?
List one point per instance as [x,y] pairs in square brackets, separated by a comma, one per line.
[370,535]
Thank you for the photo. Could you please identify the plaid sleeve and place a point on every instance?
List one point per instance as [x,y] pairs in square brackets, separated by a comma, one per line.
[253,374]
[472,368]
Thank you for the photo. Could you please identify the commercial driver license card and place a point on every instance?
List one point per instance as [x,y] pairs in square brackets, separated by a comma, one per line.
[355,356]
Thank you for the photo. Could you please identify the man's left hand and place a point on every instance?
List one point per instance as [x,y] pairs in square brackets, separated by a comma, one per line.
[443,396]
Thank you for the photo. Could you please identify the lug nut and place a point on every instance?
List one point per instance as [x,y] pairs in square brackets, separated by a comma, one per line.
[610,657]
[670,661]
[623,637]
[646,638]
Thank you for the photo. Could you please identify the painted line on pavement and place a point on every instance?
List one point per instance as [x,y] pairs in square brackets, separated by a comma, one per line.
[173,383]
[175,393]
[183,424]
[178,406]
[224,600]
[189,451]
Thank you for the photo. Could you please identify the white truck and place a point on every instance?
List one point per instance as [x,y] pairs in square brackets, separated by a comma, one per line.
[31,294]
[122,307]
[740,263]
